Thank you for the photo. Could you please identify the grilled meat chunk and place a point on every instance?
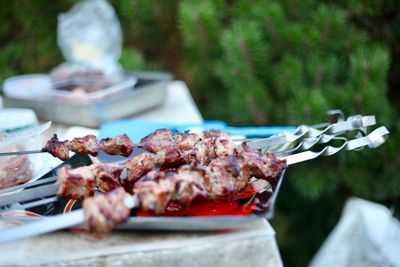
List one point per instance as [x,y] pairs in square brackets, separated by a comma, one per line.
[136,168]
[225,176]
[86,145]
[57,148]
[107,176]
[155,194]
[119,145]
[102,212]
[157,141]
[76,183]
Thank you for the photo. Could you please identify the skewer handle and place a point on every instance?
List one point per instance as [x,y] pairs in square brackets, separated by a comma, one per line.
[373,140]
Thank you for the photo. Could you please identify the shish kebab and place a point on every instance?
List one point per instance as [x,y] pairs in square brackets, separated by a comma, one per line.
[119,145]
[122,145]
[223,177]
[164,151]
[103,211]
[184,167]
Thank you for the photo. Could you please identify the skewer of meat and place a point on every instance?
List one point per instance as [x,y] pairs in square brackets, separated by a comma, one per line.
[119,145]
[81,182]
[167,151]
[167,158]
[155,142]
[184,149]
[224,177]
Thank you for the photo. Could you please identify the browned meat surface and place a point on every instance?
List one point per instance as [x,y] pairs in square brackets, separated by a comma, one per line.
[136,168]
[170,157]
[190,166]
[157,141]
[192,182]
[14,171]
[155,194]
[76,183]
[225,176]
[107,176]
[102,212]
[86,145]
[119,145]
[186,141]
[57,148]
[264,166]
[224,147]
[215,134]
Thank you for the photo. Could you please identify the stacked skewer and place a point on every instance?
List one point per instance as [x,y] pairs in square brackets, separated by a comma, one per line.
[183,167]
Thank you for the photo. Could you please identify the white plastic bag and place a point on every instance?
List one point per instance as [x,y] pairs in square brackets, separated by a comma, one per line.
[90,35]
[367,235]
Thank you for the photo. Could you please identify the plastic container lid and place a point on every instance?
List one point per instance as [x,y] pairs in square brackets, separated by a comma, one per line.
[27,86]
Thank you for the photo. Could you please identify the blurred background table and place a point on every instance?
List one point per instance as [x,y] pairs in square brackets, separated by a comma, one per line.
[254,245]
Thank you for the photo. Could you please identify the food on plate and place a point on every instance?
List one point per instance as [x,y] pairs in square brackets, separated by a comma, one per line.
[155,186]
[223,177]
[14,171]
[180,152]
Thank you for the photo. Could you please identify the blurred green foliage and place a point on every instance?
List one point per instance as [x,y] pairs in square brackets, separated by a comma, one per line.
[260,63]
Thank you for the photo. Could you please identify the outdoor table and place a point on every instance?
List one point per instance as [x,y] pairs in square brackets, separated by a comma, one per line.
[253,245]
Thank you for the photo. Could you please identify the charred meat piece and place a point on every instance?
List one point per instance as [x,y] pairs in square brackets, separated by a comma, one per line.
[155,194]
[264,166]
[76,183]
[119,145]
[107,176]
[86,145]
[224,147]
[215,134]
[157,141]
[57,148]
[230,175]
[186,141]
[170,157]
[102,212]
[136,168]
[192,182]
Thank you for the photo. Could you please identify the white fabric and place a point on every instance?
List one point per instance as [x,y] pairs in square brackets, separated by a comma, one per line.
[366,235]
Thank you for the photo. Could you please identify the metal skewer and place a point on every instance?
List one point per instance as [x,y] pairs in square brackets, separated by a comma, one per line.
[352,123]
[51,223]
[19,153]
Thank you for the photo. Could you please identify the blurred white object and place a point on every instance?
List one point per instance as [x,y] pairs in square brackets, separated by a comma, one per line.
[90,34]
[366,235]
[14,119]
[27,86]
